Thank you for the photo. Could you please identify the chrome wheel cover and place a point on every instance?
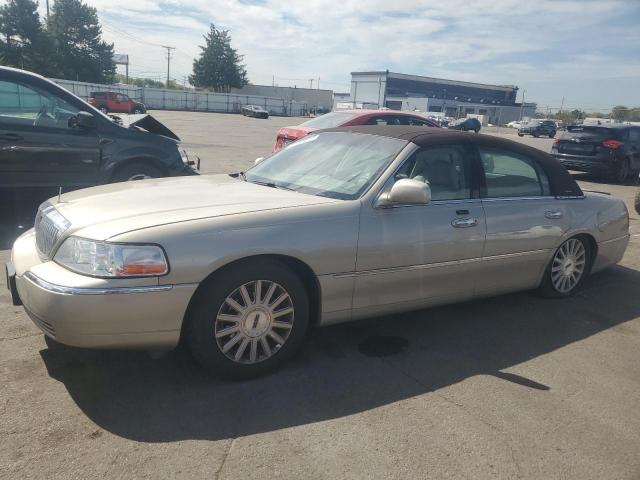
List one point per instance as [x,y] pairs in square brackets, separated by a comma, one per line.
[254,322]
[568,265]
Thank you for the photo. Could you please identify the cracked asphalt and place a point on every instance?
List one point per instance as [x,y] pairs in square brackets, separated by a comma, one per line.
[501,388]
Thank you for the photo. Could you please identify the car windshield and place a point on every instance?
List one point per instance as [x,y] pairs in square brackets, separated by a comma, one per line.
[340,165]
[329,120]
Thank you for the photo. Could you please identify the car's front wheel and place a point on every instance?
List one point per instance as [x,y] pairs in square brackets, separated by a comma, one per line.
[138,110]
[103,109]
[248,320]
[520,134]
[567,269]
[136,171]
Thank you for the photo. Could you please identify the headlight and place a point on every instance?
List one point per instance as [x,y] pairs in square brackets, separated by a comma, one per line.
[103,259]
[184,155]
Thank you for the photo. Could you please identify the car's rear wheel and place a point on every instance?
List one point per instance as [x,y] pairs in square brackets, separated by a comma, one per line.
[622,172]
[136,171]
[248,320]
[103,109]
[138,110]
[520,134]
[567,270]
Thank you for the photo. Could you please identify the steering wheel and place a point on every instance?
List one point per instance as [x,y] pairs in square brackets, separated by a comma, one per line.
[42,113]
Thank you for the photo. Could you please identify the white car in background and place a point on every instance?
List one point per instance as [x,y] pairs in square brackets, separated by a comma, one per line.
[515,124]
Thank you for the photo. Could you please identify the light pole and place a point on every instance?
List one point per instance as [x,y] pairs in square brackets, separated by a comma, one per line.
[522,104]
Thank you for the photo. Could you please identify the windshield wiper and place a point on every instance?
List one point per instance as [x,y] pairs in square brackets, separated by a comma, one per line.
[270,184]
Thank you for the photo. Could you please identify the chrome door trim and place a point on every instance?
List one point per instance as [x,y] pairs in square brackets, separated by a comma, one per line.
[553,214]
[436,265]
[52,287]
[464,222]
[513,199]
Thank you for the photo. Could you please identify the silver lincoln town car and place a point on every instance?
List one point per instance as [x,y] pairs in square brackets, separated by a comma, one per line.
[340,225]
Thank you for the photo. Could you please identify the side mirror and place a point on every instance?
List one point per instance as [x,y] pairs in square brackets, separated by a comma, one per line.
[406,192]
[85,120]
[258,160]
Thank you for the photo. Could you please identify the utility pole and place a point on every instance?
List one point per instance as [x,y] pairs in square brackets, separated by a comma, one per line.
[561,105]
[522,104]
[168,60]
[318,96]
[311,83]
[47,1]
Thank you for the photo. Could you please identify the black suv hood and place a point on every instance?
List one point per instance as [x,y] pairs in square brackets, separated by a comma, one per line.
[151,125]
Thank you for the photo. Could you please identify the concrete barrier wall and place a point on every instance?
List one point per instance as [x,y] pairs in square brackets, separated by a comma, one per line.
[200,101]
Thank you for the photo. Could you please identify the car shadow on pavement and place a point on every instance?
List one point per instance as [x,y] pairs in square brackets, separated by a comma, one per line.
[342,370]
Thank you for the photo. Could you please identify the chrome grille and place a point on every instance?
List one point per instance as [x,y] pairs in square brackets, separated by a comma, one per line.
[49,227]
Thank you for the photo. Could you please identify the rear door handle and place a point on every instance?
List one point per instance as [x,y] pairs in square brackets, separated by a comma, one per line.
[464,222]
[11,137]
[551,214]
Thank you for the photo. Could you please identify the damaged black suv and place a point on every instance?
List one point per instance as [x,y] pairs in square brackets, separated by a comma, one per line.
[51,138]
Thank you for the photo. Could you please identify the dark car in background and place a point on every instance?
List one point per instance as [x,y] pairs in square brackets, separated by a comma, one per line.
[50,140]
[466,124]
[612,151]
[254,111]
[538,128]
[349,118]
[113,102]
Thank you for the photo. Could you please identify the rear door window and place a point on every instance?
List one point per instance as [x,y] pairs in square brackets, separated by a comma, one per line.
[508,174]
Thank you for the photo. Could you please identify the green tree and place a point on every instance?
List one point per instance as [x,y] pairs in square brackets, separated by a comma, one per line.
[25,44]
[77,36]
[219,67]
[620,112]
[145,82]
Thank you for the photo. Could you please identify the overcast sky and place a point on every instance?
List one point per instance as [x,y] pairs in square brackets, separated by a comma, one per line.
[586,51]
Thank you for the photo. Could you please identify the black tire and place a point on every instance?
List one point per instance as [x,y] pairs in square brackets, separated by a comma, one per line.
[535,134]
[477,130]
[637,202]
[547,289]
[136,171]
[103,109]
[622,172]
[138,110]
[199,332]
[552,135]
[521,134]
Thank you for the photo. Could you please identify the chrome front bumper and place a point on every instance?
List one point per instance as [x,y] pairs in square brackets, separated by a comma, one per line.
[91,312]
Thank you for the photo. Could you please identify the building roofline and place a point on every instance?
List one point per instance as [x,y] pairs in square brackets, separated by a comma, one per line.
[405,76]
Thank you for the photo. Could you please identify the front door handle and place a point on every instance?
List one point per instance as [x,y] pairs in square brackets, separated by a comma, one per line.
[11,137]
[464,222]
[551,214]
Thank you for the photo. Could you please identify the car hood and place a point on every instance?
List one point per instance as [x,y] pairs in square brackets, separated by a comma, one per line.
[108,210]
[151,125]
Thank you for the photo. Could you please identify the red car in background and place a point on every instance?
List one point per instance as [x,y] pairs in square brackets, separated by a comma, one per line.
[347,118]
[112,102]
